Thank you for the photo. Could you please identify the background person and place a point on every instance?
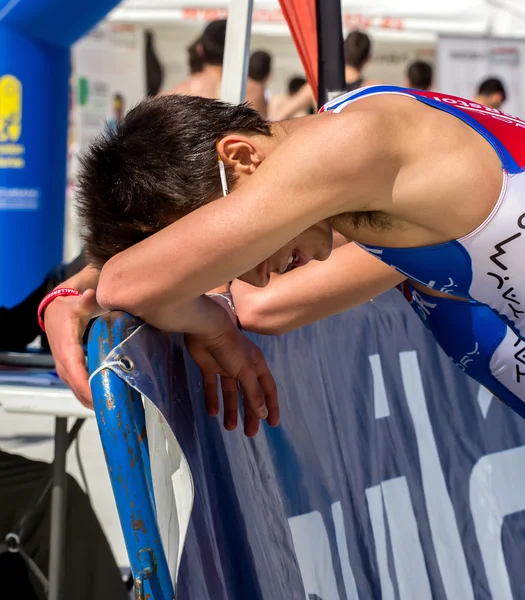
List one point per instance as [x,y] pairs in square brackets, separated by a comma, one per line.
[491,92]
[205,82]
[118,109]
[154,68]
[277,101]
[358,52]
[259,72]
[195,60]
[295,84]
[419,75]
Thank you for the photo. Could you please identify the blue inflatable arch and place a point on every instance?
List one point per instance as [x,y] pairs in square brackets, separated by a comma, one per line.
[35,41]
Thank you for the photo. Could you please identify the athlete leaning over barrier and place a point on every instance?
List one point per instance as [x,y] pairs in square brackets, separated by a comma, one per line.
[431,185]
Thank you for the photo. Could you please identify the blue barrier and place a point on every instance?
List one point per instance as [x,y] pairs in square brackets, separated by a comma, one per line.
[120,418]
[34,89]
[392,475]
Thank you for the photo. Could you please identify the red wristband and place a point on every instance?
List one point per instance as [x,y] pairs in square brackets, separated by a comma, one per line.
[48,298]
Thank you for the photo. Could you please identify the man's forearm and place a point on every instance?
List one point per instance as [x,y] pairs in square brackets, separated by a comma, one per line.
[199,316]
[316,291]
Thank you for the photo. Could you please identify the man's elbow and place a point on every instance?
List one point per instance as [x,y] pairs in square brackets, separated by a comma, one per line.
[253,317]
[114,293]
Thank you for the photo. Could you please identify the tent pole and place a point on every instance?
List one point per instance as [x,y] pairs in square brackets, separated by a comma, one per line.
[237,51]
[330,44]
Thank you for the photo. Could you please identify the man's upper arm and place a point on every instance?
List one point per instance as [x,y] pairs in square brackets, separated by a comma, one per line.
[324,169]
[316,291]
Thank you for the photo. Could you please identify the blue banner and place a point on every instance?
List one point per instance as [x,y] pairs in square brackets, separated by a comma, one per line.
[392,475]
[33,130]
[34,97]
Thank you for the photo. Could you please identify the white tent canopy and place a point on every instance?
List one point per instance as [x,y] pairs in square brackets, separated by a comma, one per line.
[474,17]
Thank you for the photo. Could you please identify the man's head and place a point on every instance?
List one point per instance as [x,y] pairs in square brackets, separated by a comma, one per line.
[295,84]
[260,66]
[491,92]
[161,163]
[419,75]
[211,43]
[357,49]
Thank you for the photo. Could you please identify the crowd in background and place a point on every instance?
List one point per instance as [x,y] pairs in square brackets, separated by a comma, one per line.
[205,63]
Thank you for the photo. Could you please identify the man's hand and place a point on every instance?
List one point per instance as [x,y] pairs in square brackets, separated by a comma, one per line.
[240,364]
[66,319]
[216,344]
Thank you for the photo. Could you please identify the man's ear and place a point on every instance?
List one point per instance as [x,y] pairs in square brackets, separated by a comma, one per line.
[241,153]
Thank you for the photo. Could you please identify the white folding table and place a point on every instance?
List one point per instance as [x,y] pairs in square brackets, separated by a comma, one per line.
[60,403]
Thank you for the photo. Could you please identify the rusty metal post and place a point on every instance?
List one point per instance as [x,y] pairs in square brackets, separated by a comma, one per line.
[120,417]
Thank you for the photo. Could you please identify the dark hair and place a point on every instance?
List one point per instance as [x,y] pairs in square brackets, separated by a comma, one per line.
[419,75]
[154,68]
[492,85]
[295,84]
[260,65]
[212,42]
[195,61]
[159,164]
[357,49]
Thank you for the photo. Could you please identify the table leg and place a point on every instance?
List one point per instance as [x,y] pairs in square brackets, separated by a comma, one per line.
[58,512]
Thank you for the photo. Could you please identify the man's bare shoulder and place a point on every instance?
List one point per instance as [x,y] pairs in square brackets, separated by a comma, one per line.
[359,132]
[402,123]
[341,154]
[381,103]
[403,113]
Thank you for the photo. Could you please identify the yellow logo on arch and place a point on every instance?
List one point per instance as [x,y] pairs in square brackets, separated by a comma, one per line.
[10,108]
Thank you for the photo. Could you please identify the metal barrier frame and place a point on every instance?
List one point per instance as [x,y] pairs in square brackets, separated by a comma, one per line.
[121,421]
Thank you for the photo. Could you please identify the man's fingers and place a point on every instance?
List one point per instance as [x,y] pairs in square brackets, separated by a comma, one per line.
[211,396]
[239,363]
[85,396]
[251,390]
[251,423]
[269,388]
[230,398]
[75,374]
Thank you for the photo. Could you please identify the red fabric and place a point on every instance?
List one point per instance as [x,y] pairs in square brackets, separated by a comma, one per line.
[300,16]
[502,125]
